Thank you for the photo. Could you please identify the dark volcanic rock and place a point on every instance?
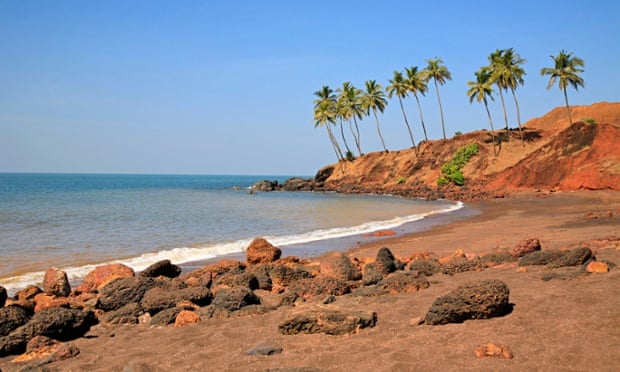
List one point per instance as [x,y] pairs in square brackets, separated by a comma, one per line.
[284,275]
[478,300]
[339,266]
[574,257]
[58,323]
[385,262]
[12,317]
[166,317]
[233,299]
[319,286]
[162,268]
[56,283]
[461,265]
[127,314]
[323,174]
[524,247]
[370,274]
[298,184]
[264,186]
[404,282]
[427,267]
[122,291]
[261,251]
[157,299]
[331,322]
[244,279]
[540,258]
[3,296]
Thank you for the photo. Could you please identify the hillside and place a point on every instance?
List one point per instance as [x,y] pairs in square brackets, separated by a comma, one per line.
[554,156]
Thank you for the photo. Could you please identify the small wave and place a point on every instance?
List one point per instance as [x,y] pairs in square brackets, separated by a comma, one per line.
[192,254]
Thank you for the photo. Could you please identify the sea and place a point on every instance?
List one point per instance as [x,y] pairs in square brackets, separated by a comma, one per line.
[76,222]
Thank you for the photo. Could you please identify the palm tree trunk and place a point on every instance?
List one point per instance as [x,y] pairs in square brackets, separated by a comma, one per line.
[421,117]
[346,145]
[402,108]
[570,118]
[514,96]
[443,128]
[334,143]
[358,142]
[486,106]
[379,130]
[501,97]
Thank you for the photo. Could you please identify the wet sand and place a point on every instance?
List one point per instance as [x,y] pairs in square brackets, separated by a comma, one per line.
[571,324]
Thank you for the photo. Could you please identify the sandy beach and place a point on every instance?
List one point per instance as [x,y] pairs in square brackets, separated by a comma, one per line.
[569,323]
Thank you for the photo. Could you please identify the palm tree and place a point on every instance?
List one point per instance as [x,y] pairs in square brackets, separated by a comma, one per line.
[507,73]
[439,73]
[350,108]
[566,69]
[340,117]
[417,84]
[480,90]
[325,115]
[374,99]
[399,87]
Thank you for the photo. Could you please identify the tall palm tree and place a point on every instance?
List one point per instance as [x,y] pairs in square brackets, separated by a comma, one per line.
[417,84]
[399,87]
[507,73]
[480,90]
[340,116]
[351,109]
[566,70]
[325,115]
[374,99]
[495,62]
[439,73]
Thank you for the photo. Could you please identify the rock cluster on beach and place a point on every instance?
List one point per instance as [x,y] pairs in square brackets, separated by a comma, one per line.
[36,320]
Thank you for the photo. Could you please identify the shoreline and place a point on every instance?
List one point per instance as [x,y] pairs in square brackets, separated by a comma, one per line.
[536,335]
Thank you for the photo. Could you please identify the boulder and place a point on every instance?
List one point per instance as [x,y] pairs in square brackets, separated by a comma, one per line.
[128,314]
[122,291]
[157,299]
[185,317]
[427,267]
[478,300]
[56,283]
[213,270]
[243,279]
[28,293]
[12,317]
[319,286]
[165,317]
[331,322]
[43,350]
[404,282]
[102,275]
[573,257]
[44,301]
[323,174]
[56,322]
[298,184]
[524,247]
[233,299]
[261,251]
[461,264]
[385,262]
[597,267]
[264,186]
[491,350]
[370,274]
[3,296]
[339,266]
[162,268]
[266,348]
[283,275]
[538,258]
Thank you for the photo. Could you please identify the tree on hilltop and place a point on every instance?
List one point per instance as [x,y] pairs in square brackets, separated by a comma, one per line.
[374,99]
[350,109]
[439,73]
[325,115]
[399,87]
[566,70]
[480,90]
[416,83]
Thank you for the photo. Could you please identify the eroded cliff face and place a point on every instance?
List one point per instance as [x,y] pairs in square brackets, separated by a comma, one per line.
[553,155]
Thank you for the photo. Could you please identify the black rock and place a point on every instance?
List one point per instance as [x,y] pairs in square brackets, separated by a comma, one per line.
[162,268]
[122,291]
[233,299]
[12,317]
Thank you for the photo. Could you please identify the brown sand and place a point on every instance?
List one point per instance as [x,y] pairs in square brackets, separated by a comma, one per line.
[571,324]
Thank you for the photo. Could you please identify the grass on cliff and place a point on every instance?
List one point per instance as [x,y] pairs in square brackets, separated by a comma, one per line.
[451,172]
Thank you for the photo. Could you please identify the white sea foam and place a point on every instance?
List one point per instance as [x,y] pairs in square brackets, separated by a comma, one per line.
[186,254]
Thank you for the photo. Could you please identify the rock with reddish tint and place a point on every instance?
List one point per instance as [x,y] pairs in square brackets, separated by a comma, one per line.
[284,275]
[319,286]
[478,300]
[56,282]
[491,350]
[162,268]
[102,275]
[244,279]
[331,322]
[525,246]
[122,291]
[43,350]
[44,301]
[458,265]
[370,274]
[210,272]
[233,299]
[128,314]
[28,293]
[385,262]
[3,296]
[202,279]
[597,267]
[56,322]
[339,266]
[185,317]
[404,282]
[539,258]
[12,317]
[574,257]
[261,251]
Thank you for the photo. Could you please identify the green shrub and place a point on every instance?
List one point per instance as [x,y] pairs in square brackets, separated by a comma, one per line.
[350,156]
[401,180]
[588,120]
[458,133]
[451,171]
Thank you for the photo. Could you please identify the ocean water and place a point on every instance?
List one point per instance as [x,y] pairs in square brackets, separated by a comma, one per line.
[78,221]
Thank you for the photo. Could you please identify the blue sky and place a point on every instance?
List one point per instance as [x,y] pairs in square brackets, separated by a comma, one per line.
[205,87]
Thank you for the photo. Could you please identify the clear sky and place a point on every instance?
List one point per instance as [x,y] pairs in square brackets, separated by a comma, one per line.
[226,87]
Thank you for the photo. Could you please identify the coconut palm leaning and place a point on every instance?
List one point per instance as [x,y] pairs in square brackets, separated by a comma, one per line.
[374,99]
[417,84]
[325,115]
[480,90]
[439,73]
[399,87]
[566,70]
[350,109]
[507,73]
[340,116]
